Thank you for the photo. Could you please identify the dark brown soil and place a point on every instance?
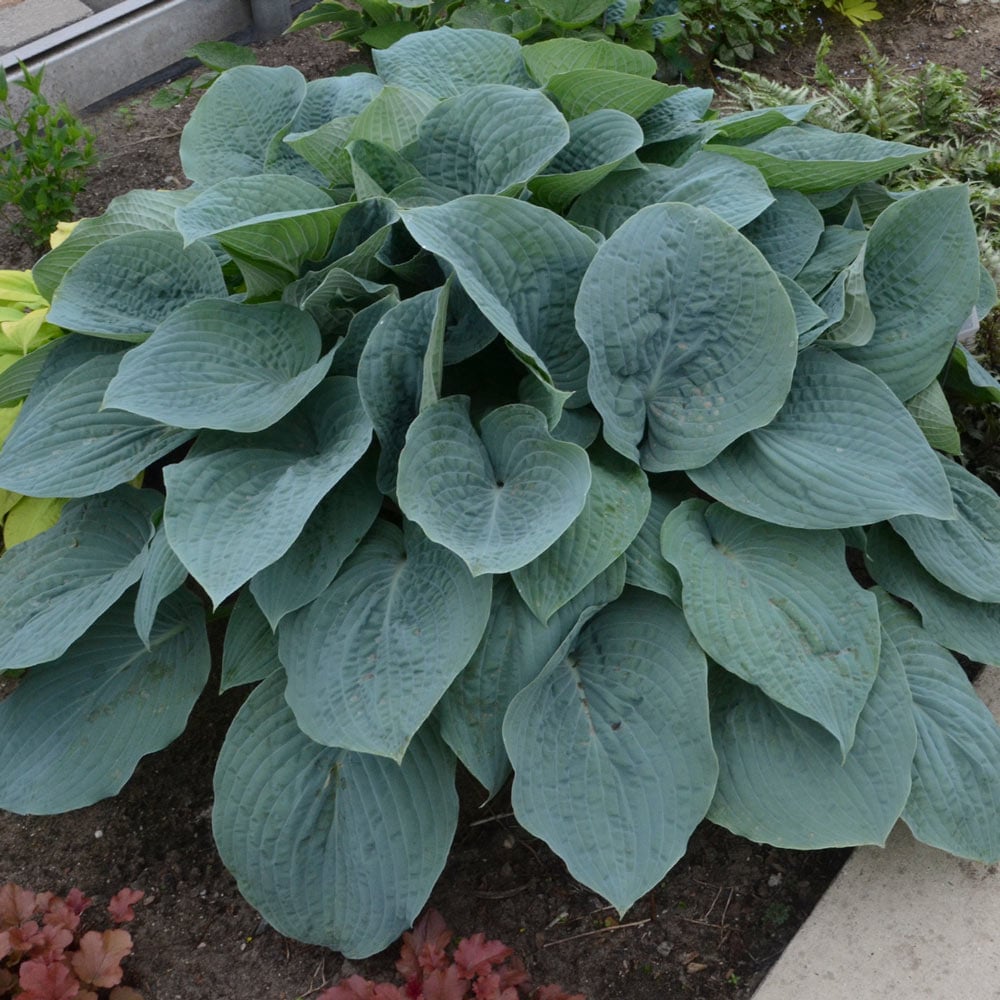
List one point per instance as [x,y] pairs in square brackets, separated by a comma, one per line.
[709,931]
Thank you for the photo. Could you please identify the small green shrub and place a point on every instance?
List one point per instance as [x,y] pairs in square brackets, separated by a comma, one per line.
[520,410]
[217,57]
[45,153]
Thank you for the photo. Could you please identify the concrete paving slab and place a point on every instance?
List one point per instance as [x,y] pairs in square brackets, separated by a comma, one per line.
[903,921]
[23,22]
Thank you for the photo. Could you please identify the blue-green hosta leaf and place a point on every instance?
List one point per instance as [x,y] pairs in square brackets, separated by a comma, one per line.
[598,143]
[784,780]
[128,213]
[809,317]
[162,575]
[125,287]
[570,14]
[446,62]
[757,122]
[348,353]
[488,139]
[222,364]
[522,266]
[779,608]
[390,375]
[250,650]
[692,339]
[336,97]
[580,92]
[511,654]
[922,277]
[332,533]
[238,200]
[332,292]
[676,116]
[787,232]
[17,380]
[479,493]
[74,729]
[547,59]
[837,249]
[334,848]
[733,191]
[54,586]
[64,444]
[616,507]
[842,451]
[369,659]
[237,127]
[967,377]
[324,149]
[377,170]
[236,503]
[393,118]
[955,800]
[969,627]
[646,567]
[814,159]
[612,753]
[964,553]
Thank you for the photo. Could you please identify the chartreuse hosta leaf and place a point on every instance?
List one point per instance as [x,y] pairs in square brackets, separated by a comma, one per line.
[612,753]
[522,266]
[487,139]
[236,502]
[922,278]
[161,576]
[125,287]
[842,451]
[598,143]
[511,654]
[332,533]
[969,627]
[478,492]
[236,130]
[784,780]
[547,59]
[692,339]
[810,159]
[75,728]
[64,444]
[616,507]
[955,800]
[250,651]
[222,364]
[732,190]
[54,586]
[369,659]
[335,848]
[779,608]
[964,553]
[446,62]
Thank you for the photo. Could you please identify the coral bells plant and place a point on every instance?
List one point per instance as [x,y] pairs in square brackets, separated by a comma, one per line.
[46,955]
[476,969]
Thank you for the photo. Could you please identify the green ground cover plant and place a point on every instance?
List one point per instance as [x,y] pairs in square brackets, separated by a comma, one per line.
[520,411]
[45,152]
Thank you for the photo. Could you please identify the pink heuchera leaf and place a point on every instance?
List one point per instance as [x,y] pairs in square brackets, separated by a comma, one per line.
[77,901]
[423,947]
[16,905]
[5,946]
[61,914]
[445,984]
[120,906]
[55,940]
[513,973]
[97,963]
[475,956]
[489,988]
[25,938]
[46,981]
[87,995]
[358,988]
[556,992]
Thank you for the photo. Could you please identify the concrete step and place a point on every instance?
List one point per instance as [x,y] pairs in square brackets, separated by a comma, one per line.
[25,20]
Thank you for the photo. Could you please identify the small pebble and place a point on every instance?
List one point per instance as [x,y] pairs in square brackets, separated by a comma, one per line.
[774,880]
[664,948]
[98,834]
[693,967]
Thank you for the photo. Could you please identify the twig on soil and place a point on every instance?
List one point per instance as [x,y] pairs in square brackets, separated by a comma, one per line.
[599,930]
[491,819]
[500,893]
[138,142]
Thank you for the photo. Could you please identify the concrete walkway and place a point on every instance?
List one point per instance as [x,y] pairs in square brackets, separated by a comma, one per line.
[907,922]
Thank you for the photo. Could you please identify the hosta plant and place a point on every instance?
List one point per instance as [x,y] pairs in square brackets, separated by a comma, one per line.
[523,413]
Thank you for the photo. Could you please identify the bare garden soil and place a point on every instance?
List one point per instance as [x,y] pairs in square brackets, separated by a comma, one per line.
[709,931]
